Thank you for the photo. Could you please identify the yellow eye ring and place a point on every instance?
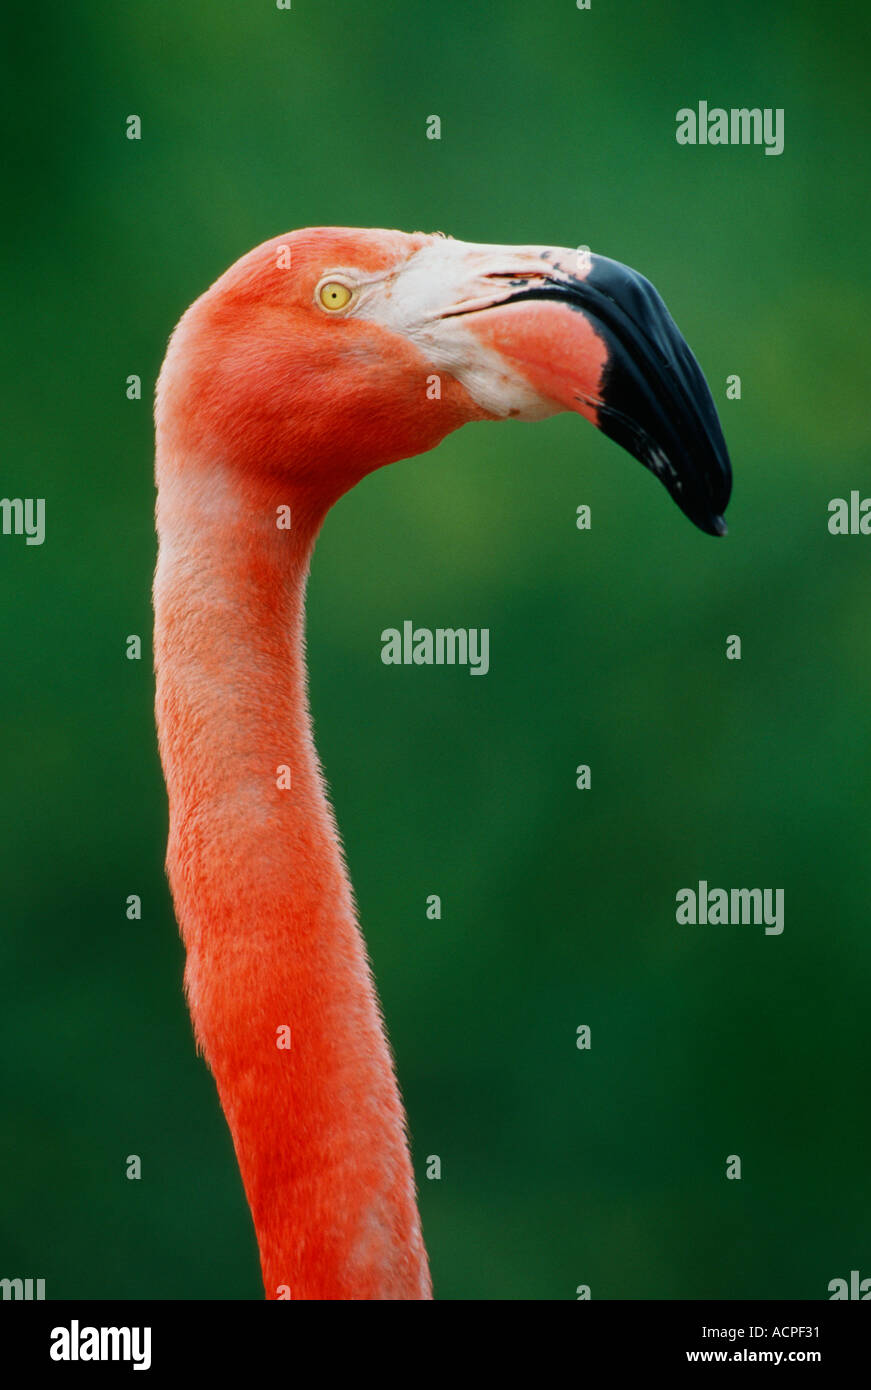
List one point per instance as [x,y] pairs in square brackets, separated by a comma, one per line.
[334,295]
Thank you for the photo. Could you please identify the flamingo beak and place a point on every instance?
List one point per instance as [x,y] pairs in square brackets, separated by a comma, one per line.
[595,337]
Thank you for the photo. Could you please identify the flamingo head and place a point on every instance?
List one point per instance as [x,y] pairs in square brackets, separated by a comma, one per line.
[326,353]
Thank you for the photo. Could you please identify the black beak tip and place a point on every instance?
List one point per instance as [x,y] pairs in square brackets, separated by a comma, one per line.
[703,512]
[655,401]
[711,524]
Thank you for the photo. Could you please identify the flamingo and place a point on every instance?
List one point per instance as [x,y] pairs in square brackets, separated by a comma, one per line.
[316,358]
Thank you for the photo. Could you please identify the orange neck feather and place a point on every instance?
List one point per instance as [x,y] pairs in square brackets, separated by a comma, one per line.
[263,899]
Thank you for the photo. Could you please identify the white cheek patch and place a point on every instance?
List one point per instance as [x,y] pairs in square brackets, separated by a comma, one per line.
[494,383]
[439,276]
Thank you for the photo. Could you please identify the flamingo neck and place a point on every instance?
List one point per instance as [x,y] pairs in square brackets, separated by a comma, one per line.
[277,978]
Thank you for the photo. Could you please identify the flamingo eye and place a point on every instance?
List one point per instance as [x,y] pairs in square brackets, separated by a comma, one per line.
[334,295]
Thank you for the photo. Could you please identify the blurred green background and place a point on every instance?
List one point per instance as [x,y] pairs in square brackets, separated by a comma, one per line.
[559,1167]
